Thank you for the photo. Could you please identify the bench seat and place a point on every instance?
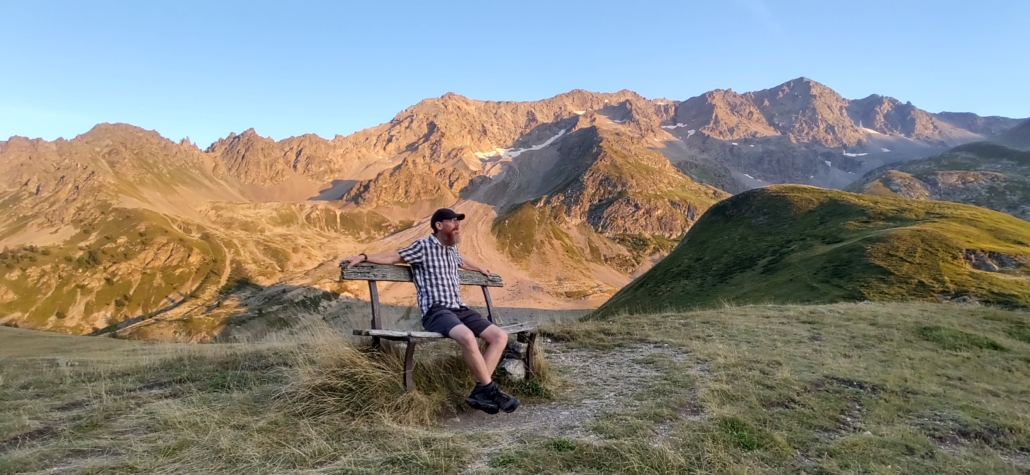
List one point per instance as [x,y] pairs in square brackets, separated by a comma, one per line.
[401,335]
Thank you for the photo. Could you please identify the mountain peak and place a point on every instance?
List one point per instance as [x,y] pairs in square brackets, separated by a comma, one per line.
[114,128]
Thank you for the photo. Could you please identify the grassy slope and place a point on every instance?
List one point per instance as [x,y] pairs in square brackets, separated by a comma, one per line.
[796,244]
[845,388]
[127,263]
[134,262]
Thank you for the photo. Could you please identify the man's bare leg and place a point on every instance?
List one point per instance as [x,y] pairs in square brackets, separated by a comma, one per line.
[470,353]
[496,341]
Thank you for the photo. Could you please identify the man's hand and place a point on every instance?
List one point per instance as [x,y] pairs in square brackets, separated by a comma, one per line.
[348,262]
[485,272]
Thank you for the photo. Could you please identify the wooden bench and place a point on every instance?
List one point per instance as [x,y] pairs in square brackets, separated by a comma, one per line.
[525,332]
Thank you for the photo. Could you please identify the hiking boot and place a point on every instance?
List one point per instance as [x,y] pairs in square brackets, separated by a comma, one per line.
[505,402]
[482,398]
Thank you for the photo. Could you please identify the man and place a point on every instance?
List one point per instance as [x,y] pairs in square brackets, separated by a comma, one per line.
[434,262]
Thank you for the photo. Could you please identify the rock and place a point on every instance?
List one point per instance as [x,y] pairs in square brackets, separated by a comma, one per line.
[993,261]
[515,350]
[1006,261]
[516,369]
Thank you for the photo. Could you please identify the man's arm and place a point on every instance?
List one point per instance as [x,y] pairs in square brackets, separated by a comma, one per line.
[472,266]
[389,257]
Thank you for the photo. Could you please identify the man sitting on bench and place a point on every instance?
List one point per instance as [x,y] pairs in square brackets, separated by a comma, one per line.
[434,262]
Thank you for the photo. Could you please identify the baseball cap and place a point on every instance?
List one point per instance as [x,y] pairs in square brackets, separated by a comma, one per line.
[443,214]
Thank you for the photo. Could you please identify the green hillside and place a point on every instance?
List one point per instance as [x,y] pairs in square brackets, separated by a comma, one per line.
[134,264]
[798,244]
[982,174]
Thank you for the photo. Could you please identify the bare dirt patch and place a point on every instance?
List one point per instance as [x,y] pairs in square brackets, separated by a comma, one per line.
[595,381]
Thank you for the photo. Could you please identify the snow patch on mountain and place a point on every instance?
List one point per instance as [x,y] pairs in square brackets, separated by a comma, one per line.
[514,152]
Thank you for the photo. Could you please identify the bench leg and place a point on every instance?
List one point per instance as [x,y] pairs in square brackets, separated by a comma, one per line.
[530,348]
[409,365]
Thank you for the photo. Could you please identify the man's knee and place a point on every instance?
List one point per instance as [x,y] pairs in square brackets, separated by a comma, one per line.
[462,335]
[494,335]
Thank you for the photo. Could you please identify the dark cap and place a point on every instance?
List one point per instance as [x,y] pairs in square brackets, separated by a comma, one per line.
[443,214]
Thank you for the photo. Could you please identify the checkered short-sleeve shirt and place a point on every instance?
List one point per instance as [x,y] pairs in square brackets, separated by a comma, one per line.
[434,268]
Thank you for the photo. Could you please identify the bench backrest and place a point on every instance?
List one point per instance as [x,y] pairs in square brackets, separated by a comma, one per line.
[391,273]
[367,271]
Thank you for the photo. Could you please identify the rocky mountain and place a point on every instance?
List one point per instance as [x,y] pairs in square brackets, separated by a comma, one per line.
[569,198]
[981,174]
[733,141]
[796,244]
[608,201]
[804,132]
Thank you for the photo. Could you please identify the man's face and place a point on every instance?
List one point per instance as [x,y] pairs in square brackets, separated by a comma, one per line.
[450,230]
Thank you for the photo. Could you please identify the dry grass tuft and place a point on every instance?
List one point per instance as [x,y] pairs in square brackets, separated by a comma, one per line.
[339,380]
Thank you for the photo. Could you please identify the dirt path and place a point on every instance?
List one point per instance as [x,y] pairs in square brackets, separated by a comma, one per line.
[595,382]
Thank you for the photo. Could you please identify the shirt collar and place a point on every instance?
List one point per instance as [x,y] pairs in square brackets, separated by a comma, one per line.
[433,238]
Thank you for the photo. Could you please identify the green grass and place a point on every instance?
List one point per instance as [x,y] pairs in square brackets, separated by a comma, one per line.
[957,340]
[794,244]
[108,261]
[845,388]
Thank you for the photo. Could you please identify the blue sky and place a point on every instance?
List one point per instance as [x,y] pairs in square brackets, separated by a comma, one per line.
[204,69]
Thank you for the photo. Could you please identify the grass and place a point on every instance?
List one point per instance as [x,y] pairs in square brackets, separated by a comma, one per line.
[845,388]
[957,340]
[107,405]
[107,261]
[794,244]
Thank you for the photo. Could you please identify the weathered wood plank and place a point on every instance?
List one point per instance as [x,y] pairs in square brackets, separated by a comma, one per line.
[530,348]
[404,334]
[489,304]
[409,365]
[373,293]
[385,272]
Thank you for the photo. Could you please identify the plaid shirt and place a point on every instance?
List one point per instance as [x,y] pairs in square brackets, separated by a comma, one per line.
[434,268]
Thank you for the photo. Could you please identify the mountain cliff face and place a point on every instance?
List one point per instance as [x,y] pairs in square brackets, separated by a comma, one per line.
[806,111]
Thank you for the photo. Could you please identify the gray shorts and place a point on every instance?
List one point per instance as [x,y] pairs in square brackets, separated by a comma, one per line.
[441,319]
